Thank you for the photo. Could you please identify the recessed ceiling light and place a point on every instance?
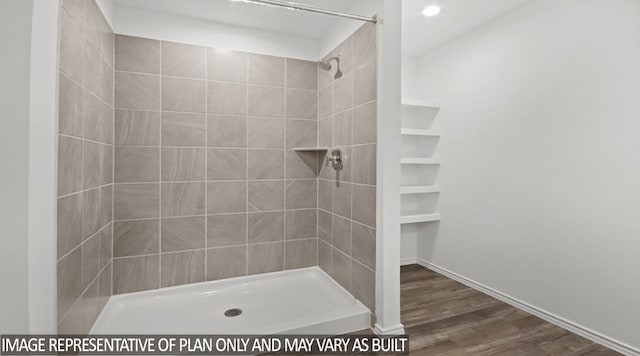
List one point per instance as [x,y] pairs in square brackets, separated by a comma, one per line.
[431,10]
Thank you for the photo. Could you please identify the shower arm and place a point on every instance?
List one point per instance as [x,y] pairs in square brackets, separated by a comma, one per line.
[302,7]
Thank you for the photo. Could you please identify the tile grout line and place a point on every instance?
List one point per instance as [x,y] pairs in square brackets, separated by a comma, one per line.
[160,170]
[206,164]
[247,73]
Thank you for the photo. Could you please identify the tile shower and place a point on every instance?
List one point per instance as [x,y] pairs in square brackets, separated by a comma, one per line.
[177,165]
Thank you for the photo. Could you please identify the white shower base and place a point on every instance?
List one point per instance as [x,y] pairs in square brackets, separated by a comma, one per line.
[305,301]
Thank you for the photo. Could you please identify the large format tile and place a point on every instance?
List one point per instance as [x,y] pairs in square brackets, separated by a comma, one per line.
[302,104]
[325,102]
[302,74]
[342,234]
[301,254]
[301,194]
[266,101]
[71,47]
[301,224]
[324,256]
[137,91]
[364,164]
[265,258]
[179,268]
[183,164]
[134,274]
[341,268]
[98,119]
[183,199]
[266,70]
[92,69]
[266,164]
[97,208]
[69,277]
[227,98]
[325,132]
[136,201]
[70,107]
[184,95]
[325,195]
[365,120]
[365,84]
[181,129]
[98,164]
[179,234]
[266,132]
[137,128]
[75,9]
[364,245]
[266,227]
[342,126]
[226,65]
[364,205]
[226,164]
[227,131]
[226,197]
[226,230]
[301,133]
[301,165]
[137,164]
[136,238]
[364,44]
[183,60]
[106,246]
[69,165]
[363,285]
[135,54]
[226,262]
[342,195]
[90,260]
[343,94]
[325,226]
[266,196]
[69,223]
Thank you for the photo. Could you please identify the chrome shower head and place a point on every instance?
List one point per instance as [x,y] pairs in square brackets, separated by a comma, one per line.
[326,65]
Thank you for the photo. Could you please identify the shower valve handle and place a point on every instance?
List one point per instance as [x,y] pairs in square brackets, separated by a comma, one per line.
[335,159]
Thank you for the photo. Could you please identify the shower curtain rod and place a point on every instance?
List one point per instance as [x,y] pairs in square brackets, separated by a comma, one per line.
[301,7]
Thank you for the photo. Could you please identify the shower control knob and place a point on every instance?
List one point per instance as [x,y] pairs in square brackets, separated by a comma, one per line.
[335,159]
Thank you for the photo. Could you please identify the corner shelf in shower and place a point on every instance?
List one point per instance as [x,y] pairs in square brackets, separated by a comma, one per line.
[422,218]
[417,160]
[311,149]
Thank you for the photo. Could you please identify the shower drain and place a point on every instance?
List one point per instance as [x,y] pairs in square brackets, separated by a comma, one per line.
[230,313]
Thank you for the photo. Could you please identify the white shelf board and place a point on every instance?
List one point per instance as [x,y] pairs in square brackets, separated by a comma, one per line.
[311,149]
[420,189]
[420,132]
[420,103]
[414,160]
[414,219]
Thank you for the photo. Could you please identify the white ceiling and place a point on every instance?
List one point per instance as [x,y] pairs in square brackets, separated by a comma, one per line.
[421,34]
[268,18]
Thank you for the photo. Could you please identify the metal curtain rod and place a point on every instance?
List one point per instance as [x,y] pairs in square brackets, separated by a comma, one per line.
[301,7]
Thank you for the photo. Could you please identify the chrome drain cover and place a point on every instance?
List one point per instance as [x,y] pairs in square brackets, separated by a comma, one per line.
[230,313]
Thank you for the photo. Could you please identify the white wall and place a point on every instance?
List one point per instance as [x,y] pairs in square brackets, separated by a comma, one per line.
[541,148]
[15,46]
[160,26]
[410,77]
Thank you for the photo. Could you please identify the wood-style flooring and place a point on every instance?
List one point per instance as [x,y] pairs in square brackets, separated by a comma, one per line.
[444,317]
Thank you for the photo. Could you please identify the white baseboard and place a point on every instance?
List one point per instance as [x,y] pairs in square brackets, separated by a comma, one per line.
[396,330]
[531,309]
[408,261]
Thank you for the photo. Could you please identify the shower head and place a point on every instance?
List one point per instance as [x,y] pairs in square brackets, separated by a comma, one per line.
[326,65]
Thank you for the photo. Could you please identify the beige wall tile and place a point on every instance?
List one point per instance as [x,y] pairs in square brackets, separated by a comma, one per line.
[325,132]
[301,253]
[342,195]
[365,120]
[266,196]
[134,274]
[226,262]
[301,194]
[69,165]
[180,234]
[325,226]
[226,197]
[266,227]
[137,91]
[90,260]
[183,199]
[181,129]
[107,82]
[136,54]
[137,164]
[325,195]
[225,65]
[342,234]
[93,23]
[98,119]
[97,206]
[136,238]
[92,69]
[325,102]
[301,165]
[265,258]
[183,60]
[75,9]
[98,164]
[341,268]
[345,52]
[106,246]
[183,164]
[69,223]
[301,224]
[136,201]
[302,104]
[363,285]
[266,132]
[364,164]
[266,70]
[226,164]
[364,205]
[226,230]
[266,101]
[343,93]
[301,133]
[227,131]
[179,268]
[324,256]
[364,245]
[227,98]
[364,44]
[342,126]
[365,87]
[71,47]
[69,107]
[302,74]
[184,95]
[266,164]
[137,128]
[69,277]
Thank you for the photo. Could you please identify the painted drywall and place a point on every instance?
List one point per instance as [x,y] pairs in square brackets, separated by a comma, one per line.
[154,25]
[108,10]
[15,46]
[410,79]
[540,180]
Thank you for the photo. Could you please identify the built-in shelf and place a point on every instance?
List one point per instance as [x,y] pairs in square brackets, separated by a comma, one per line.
[420,103]
[420,132]
[414,219]
[414,160]
[420,189]
[311,149]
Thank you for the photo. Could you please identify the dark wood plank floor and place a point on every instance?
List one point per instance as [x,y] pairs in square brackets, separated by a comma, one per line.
[444,317]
